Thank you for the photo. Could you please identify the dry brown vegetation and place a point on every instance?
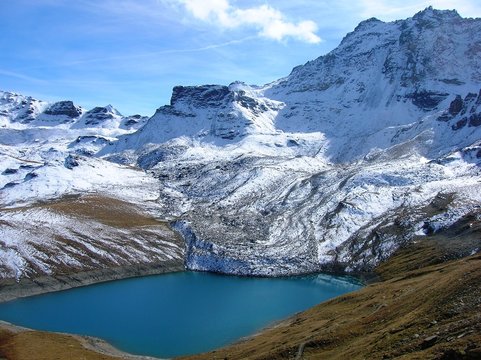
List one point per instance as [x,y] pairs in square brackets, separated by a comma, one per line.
[98,232]
[106,210]
[109,211]
[38,345]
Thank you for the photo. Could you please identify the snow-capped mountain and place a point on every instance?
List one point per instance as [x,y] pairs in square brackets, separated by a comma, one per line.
[333,167]
[384,76]
[336,165]
[46,161]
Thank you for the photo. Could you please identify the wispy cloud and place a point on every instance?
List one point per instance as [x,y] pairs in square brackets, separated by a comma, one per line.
[20,76]
[268,21]
[139,56]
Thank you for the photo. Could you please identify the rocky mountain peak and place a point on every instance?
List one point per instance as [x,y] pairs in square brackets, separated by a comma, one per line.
[434,14]
[366,24]
[100,114]
[382,75]
[413,64]
[204,95]
[67,108]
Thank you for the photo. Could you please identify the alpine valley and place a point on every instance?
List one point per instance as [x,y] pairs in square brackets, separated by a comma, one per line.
[352,159]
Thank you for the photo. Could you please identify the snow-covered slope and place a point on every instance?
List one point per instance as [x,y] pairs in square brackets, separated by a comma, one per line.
[337,164]
[383,77]
[211,113]
[15,108]
[54,194]
[47,150]
[81,233]
[332,167]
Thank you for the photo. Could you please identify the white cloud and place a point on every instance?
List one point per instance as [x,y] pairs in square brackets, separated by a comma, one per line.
[269,22]
[207,9]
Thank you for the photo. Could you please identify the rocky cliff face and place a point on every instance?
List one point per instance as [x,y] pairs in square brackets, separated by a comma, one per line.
[66,108]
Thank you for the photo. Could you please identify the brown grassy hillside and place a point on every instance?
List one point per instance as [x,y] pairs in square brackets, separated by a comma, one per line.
[430,313]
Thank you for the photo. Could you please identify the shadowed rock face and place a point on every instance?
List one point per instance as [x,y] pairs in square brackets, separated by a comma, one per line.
[98,115]
[462,112]
[475,120]
[203,96]
[427,100]
[66,108]
[456,106]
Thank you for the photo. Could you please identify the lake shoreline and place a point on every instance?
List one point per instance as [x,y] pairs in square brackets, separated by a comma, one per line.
[11,289]
[148,297]
[89,343]
[378,320]
[391,273]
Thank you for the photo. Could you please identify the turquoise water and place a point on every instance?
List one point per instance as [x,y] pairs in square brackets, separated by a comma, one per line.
[174,314]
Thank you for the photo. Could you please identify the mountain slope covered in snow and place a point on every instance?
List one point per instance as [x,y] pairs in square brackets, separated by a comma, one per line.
[333,167]
[64,211]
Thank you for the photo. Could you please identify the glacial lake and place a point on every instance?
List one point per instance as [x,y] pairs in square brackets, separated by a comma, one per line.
[174,314]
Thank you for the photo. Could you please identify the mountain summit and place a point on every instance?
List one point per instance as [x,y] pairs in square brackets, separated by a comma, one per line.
[382,76]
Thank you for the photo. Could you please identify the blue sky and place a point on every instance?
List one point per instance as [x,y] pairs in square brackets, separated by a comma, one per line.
[130,53]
